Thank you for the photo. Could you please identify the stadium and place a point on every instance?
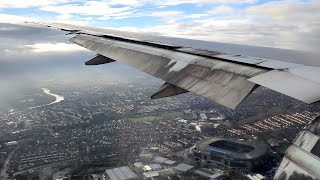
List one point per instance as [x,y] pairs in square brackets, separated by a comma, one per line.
[233,154]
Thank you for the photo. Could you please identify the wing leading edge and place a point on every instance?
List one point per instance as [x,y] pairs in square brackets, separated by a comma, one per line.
[222,77]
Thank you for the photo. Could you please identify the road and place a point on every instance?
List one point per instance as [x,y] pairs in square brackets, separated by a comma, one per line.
[3,174]
[43,166]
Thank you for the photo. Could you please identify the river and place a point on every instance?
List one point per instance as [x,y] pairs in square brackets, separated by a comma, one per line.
[47,91]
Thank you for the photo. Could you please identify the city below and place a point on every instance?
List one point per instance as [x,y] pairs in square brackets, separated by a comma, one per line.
[115,131]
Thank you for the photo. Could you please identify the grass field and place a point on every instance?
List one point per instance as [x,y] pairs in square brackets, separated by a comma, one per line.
[27,100]
[150,119]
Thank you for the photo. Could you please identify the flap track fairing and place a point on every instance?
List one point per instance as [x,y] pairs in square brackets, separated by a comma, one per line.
[167,90]
[98,60]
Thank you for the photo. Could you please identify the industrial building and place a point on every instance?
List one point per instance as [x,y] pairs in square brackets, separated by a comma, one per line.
[12,143]
[233,154]
[121,173]
[184,168]
[209,174]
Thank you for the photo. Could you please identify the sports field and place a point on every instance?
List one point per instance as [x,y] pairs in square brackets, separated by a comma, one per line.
[155,118]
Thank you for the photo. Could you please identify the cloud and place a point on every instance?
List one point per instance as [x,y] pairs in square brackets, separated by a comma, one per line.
[282,24]
[32,54]
[293,24]
[54,47]
[65,18]
[288,10]
[177,2]
[23,42]
[222,10]
[127,2]
[132,3]
[106,10]
[8,18]
[23,35]
[97,8]
[196,16]
[27,4]
[168,16]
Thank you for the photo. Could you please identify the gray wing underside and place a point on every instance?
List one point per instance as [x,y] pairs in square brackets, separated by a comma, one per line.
[224,73]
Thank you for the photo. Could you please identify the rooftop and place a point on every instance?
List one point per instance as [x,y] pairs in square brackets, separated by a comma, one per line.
[183,167]
[160,159]
[169,162]
[121,173]
[152,167]
[151,174]
[208,173]
[138,164]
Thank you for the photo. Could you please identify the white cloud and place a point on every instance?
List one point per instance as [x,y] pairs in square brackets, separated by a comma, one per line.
[13,19]
[127,2]
[288,11]
[28,3]
[65,17]
[195,16]
[97,8]
[177,2]
[222,10]
[88,19]
[169,16]
[54,47]
[283,24]
[71,19]
[83,22]
[7,18]
[287,24]
[291,24]
[105,9]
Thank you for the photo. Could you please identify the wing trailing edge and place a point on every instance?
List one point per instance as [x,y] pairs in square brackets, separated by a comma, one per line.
[287,83]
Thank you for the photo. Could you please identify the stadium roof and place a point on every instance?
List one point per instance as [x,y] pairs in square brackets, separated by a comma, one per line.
[257,151]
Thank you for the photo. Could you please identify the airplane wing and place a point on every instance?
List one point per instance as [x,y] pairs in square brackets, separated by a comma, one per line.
[224,73]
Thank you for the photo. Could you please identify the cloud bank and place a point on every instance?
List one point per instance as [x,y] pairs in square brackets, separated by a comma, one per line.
[289,24]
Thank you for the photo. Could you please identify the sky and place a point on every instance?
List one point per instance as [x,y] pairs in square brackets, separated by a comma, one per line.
[292,24]
[30,52]
[289,24]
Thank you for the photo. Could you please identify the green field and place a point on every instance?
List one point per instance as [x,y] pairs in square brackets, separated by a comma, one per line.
[150,119]
[27,100]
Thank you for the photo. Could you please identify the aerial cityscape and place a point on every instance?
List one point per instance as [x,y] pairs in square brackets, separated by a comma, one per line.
[159,90]
[90,131]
